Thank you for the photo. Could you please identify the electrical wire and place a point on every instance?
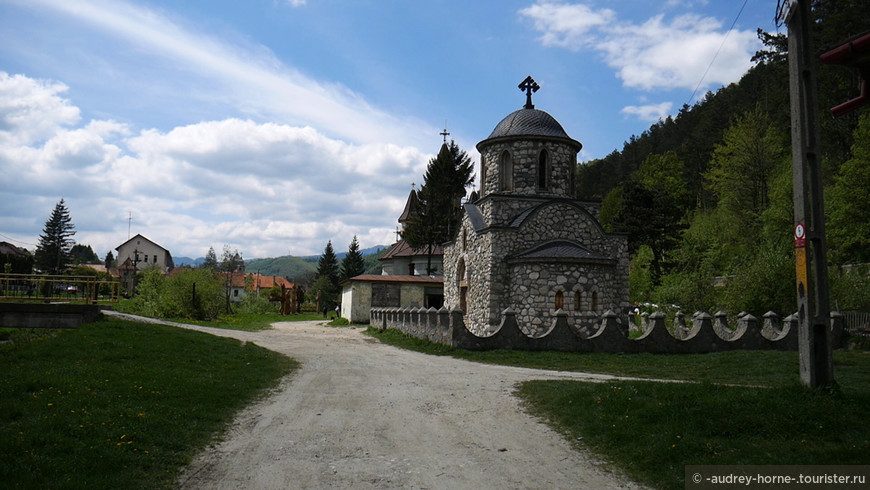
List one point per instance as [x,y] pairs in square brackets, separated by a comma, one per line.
[18,241]
[717,53]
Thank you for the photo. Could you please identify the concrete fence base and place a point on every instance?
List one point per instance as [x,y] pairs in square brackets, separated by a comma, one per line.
[47,315]
[609,333]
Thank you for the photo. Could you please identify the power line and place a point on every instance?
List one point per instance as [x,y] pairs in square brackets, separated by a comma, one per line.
[717,53]
[19,241]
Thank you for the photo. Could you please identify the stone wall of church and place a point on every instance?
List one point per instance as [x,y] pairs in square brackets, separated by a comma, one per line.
[538,290]
[524,155]
[530,289]
[469,259]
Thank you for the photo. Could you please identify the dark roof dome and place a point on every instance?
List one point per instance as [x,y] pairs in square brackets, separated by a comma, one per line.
[529,122]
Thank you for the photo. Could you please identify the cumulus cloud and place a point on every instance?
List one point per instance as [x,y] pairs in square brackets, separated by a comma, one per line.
[568,25]
[267,189]
[31,109]
[659,53]
[649,112]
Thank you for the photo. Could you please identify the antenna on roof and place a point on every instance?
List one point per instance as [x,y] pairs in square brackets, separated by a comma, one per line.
[129,223]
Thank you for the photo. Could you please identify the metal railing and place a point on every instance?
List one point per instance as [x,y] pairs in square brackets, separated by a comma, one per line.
[58,289]
[857,321]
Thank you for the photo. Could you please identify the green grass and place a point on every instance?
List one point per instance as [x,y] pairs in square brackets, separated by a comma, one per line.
[119,404]
[253,322]
[651,430]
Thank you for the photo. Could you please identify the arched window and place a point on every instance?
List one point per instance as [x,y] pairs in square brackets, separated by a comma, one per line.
[593,305]
[462,285]
[578,300]
[482,175]
[543,170]
[560,300]
[507,171]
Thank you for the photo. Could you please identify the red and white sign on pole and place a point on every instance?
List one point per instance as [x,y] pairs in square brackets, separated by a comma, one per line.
[800,235]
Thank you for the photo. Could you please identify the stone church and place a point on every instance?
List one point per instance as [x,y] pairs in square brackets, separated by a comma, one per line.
[525,242]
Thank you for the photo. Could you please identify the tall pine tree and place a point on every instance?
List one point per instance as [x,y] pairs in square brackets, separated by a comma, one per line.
[439,212]
[353,263]
[52,252]
[326,283]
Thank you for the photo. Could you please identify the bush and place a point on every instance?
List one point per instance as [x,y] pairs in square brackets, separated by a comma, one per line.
[850,288]
[160,296]
[254,304]
[179,301]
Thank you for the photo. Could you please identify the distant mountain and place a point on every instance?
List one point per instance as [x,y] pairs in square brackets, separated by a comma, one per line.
[301,267]
[341,255]
[298,268]
[180,261]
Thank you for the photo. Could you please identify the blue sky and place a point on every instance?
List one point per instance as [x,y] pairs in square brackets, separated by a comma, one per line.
[273,126]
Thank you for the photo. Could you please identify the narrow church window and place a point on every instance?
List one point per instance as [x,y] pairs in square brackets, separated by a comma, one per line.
[578,297]
[464,239]
[594,303]
[507,171]
[462,285]
[482,175]
[560,300]
[543,162]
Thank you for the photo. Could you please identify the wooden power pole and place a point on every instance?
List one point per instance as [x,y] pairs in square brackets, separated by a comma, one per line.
[814,331]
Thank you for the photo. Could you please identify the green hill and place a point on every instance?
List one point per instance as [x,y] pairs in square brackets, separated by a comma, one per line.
[304,268]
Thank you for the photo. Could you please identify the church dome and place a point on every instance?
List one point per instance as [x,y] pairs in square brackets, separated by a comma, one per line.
[529,122]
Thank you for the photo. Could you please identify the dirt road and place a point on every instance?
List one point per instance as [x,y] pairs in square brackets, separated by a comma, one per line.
[360,414]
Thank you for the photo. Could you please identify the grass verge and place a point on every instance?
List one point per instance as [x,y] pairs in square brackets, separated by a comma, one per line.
[120,404]
[651,430]
[253,322]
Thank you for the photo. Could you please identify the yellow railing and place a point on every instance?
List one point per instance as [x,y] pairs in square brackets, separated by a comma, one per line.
[58,289]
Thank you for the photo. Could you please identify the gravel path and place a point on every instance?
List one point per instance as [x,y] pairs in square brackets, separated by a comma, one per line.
[360,414]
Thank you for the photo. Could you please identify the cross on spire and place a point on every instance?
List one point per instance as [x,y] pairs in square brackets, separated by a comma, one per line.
[445,133]
[528,86]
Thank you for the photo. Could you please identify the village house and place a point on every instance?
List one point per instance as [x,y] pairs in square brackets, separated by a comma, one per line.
[245,283]
[139,253]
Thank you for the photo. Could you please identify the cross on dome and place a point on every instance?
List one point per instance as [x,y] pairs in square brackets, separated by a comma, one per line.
[528,86]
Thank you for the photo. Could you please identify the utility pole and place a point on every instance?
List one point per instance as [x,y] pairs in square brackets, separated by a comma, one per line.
[814,331]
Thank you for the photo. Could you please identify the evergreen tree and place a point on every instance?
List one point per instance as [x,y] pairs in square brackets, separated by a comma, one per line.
[52,252]
[353,263]
[110,260]
[327,265]
[326,282]
[210,261]
[83,254]
[440,198]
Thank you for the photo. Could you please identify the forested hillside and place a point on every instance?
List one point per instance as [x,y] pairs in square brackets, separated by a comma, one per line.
[303,269]
[706,196]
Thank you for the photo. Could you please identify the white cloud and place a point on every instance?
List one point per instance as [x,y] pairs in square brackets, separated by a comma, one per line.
[267,189]
[650,112]
[32,110]
[567,25]
[250,76]
[657,54]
